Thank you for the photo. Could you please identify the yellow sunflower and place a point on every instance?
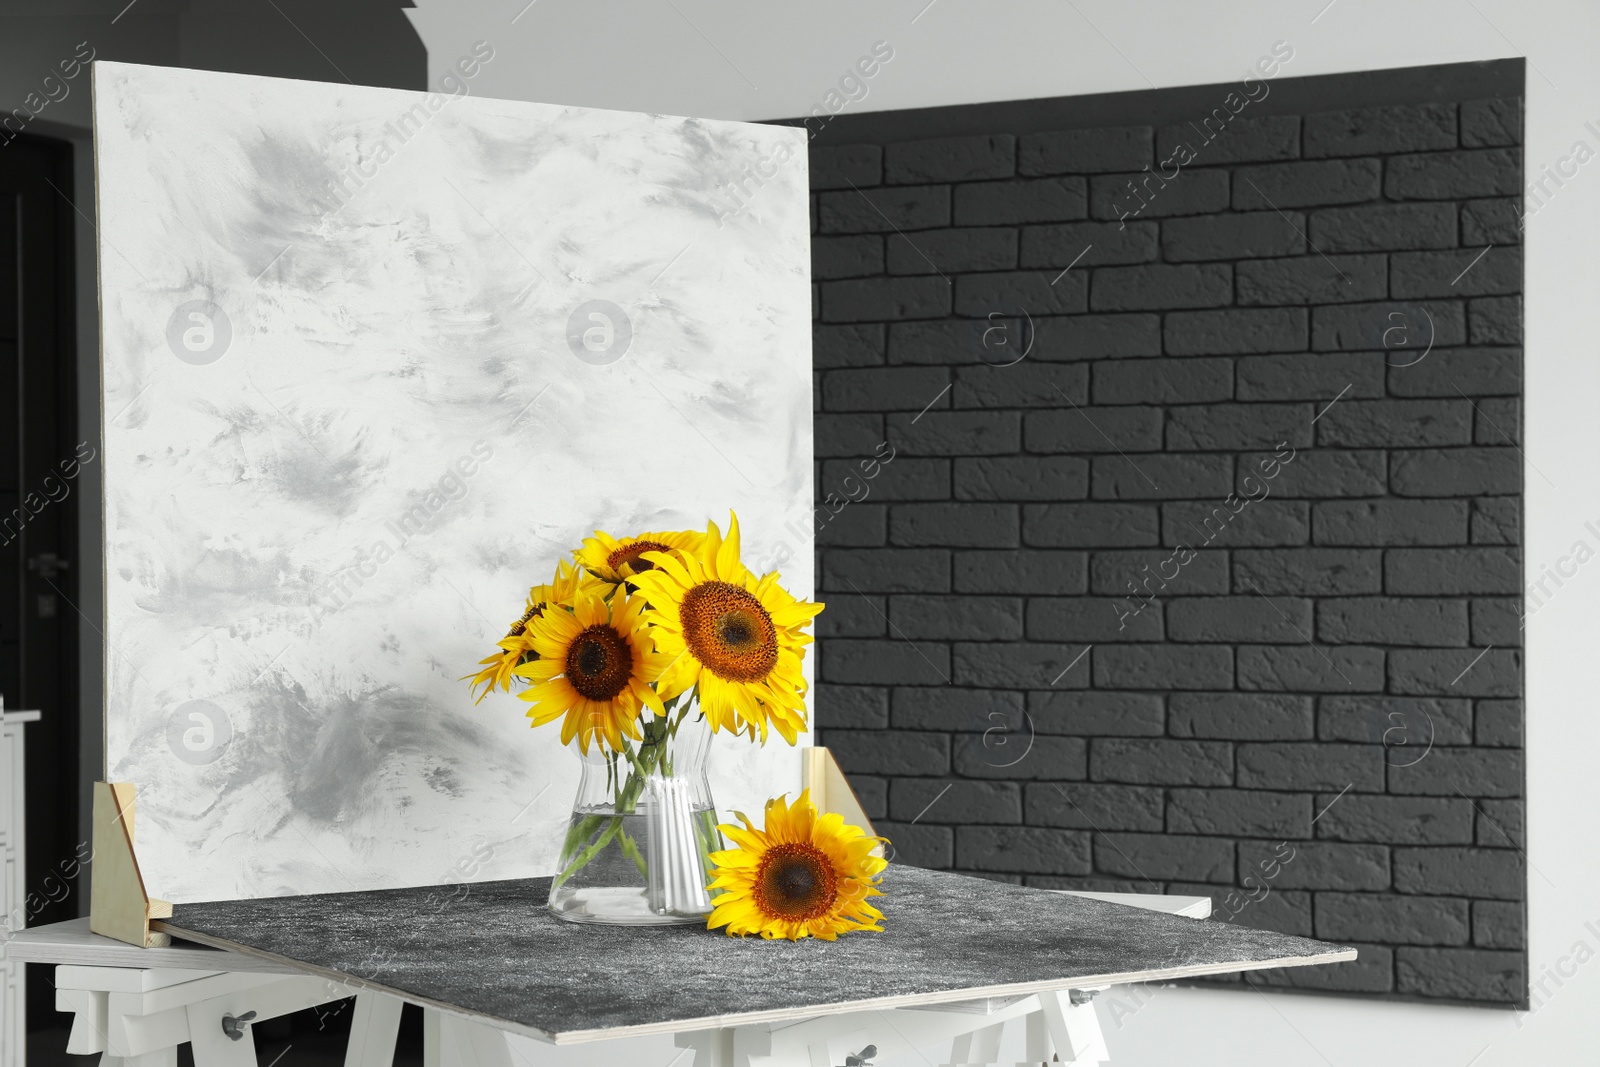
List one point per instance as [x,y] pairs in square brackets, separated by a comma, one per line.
[734,636]
[614,560]
[804,875]
[498,667]
[594,668]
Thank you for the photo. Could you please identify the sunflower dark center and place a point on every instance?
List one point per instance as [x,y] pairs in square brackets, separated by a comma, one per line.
[795,881]
[728,630]
[629,554]
[599,663]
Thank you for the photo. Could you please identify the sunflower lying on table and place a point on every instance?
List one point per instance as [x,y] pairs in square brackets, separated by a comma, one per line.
[803,875]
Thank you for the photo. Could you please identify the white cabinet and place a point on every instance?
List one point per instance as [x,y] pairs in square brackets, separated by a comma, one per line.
[13,1013]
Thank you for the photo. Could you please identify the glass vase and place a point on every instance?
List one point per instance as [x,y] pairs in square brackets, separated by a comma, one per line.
[643,825]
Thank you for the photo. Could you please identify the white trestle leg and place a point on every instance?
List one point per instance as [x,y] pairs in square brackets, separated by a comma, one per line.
[981,1046]
[1069,1023]
[451,1041]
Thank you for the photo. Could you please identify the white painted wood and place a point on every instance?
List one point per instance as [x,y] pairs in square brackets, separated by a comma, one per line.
[88,1034]
[450,1040]
[167,1057]
[981,1046]
[13,895]
[373,1031]
[712,1048]
[1189,907]
[71,942]
[1074,1030]
[214,1048]
[1036,1041]
[125,979]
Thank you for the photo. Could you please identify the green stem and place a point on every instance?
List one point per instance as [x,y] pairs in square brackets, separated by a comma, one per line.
[591,852]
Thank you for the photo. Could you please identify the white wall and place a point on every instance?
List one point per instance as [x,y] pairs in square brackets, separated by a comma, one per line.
[731,59]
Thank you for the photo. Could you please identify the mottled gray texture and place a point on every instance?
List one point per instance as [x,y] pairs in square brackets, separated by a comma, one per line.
[498,953]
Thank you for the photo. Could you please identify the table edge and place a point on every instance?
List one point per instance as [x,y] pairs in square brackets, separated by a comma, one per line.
[711,1022]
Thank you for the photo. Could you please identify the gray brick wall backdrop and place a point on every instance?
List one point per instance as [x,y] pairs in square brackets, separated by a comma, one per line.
[1216,589]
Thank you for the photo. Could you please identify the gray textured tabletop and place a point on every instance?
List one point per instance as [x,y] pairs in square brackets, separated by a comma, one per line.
[496,953]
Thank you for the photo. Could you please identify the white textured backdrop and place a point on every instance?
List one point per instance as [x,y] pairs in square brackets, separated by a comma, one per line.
[345,428]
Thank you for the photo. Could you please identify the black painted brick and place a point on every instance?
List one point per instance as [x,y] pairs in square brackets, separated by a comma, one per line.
[1496,874]
[1395,423]
[1306,669]
[1238,813]
[846,257]
[1008,203]
[1393,920]
[1084,151]
[1025,572]
[1320,473]
[846,346]
[1087,430]
[1090,525]
[1390,522]
[1242,140]
[1025,478]
[886,570]
[1234,331]
[1236,523]
[1395,820]
[884,388]
[1384,228]
[904,478]
[1038,293]
[1082,806]
[944,341]
[1495,221]
[1239,618]
[847,435]
[890,751]
[1498,723]
[857,526]
[1408,726]
[949,251]
[1473,772]
[1205,572]
[1146,195]
[840,168]
[1090,619]
[1467,272]
[1088,244]
[1451,672]
[1500,823]
[1454,175]
[1081,337]
[1305,184]
[1369,130]
[1237,427]
[1461,372]
[1020,756]
[919,845]
[1392,621]
[1024,385]
[884,210]
[1161,286]
[1163,381]
[1456,472]
[1452,571]
[957,433]
[936,801]
[1498,422]
[945,708]
[1496,320]
[1371,972]
[1241,716]
[950,159]
[1097,714]
[1307,571]
[1488,123]
[1497,521]
[1497,622]
[964,525]
[1310,765]
[1013,665]
[1150,856]
[951,618]
[1317,865]
[1161,762]
[1403,329]
[1312,280]
[879,299]
[1234,236]
[1499,924]
[853,706]
[1163,667]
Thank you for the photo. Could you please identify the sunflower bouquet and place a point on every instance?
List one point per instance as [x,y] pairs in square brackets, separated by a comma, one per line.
[638,645]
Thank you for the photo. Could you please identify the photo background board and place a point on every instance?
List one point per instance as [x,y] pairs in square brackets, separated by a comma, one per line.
[373,361]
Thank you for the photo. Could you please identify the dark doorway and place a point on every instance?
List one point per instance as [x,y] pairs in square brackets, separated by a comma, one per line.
[39,462]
